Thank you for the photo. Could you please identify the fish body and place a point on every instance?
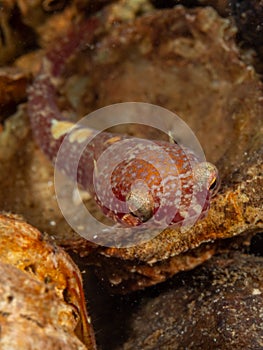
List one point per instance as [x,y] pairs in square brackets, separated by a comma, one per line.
[133,180]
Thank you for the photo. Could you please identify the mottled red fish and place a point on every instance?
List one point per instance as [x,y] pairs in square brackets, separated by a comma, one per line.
[139,181]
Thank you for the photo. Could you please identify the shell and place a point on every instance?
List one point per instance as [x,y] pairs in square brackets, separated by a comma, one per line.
[49,295]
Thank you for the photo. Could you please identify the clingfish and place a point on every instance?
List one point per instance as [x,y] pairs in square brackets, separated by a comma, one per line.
[133,180]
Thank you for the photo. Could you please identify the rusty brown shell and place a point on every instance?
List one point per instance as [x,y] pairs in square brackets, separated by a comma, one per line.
[42,300]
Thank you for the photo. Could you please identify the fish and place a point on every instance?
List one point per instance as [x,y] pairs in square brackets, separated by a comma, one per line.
[134,181]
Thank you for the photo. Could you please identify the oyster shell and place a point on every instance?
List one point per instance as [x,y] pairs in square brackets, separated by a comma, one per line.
[41,292]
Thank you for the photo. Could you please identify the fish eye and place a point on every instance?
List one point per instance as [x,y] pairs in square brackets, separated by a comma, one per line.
[140,204]
[214,185]
[143,212]
[205,173]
